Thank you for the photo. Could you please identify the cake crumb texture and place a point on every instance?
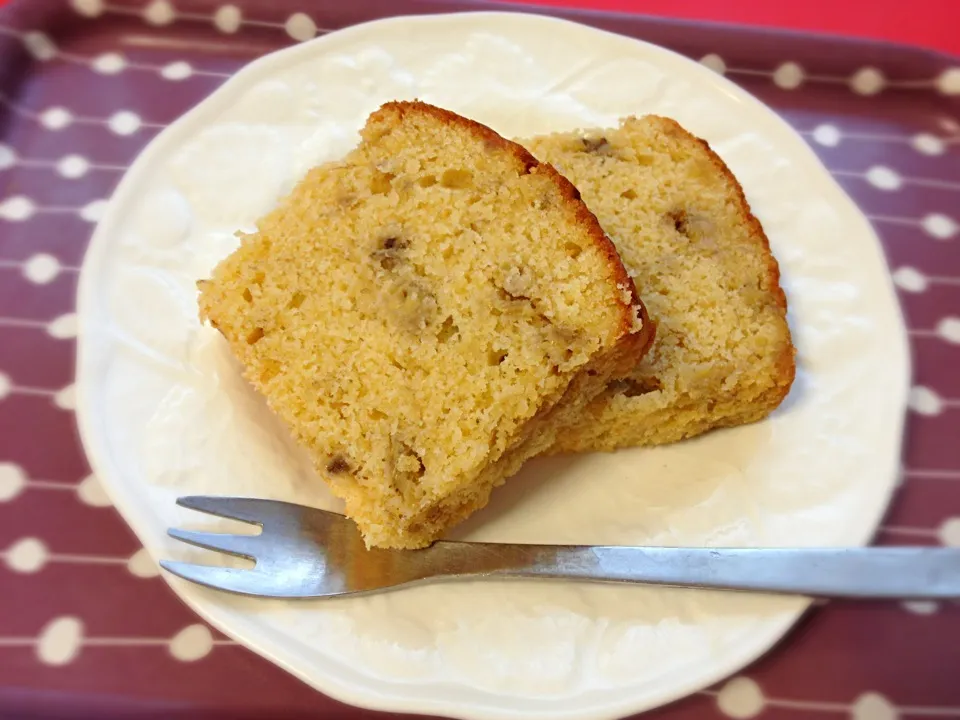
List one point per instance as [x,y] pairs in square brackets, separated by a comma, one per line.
[426,314]
[723,354]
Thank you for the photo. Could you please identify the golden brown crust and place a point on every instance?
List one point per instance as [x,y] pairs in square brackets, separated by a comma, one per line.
[604,244]
[786,362]
[584,217]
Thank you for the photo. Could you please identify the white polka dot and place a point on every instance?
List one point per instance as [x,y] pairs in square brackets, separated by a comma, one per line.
[12,479]
[714,62]
[17,208]
[827,135]
[949,124]
[939,226]
[741,698]
[867,81]
[910,279]
[872,706]
[93,211]
[949,329]
[227,19]
[41,268]
[91,492]
[66,399]
[192,643]
[884,178]
[109,63]
[921,607]
[788,76]
[73,166]
[159,12]
[142,565]
[26,555]
[5,386]
[928,144]
[179,70]
[56,118]
[124,122]
[40,46]
[89,8]
[60,641]
[300,27]
[63,327]
[925,401]
[8,158]
[950,532]
[949,81]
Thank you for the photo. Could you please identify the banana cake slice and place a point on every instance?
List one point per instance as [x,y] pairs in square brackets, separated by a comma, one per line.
[723,355]
[425,315]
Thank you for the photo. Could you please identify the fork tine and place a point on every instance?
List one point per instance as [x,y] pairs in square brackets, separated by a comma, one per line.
[248,510]
[243,582]
[239,545]
[251,582]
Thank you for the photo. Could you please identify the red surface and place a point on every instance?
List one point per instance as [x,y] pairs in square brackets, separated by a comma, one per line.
[929,23]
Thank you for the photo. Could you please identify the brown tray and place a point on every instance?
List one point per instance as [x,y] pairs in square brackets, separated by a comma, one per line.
[84,85]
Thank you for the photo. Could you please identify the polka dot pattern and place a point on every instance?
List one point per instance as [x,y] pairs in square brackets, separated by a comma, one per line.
[884,178]
[925,401]
[60,641]
[142,565]
[17,208]
[41,268]
[179,70]
[8,158]
[827,135]
[91,492]
[63,327]
[93,211]
[867,81]
[873,706]
[124,122]
[300,27]
[741,698]
[227,19]
[928,144]
[73,166]
[910,279]
[40,46]
[56,118]
[948,82]
[12,478]
[88,8]
[714,62]
[77,551]
[26,556]
[109,63]
[159,12]
[940,226]
[192,643]
[788,76]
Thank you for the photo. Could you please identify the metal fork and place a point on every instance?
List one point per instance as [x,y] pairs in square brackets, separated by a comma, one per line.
[304,552]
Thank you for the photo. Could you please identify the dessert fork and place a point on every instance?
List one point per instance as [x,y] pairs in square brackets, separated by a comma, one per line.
[304,552]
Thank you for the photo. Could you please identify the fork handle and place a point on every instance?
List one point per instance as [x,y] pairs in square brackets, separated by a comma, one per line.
[879,573]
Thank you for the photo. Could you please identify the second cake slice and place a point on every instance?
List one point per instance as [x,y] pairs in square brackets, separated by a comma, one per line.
[723,354]
[426,315]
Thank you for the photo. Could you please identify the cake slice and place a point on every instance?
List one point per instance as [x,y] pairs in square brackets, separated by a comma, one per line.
[425,315]
[723,354]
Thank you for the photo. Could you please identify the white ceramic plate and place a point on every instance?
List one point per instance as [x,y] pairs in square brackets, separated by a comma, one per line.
[164,413]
